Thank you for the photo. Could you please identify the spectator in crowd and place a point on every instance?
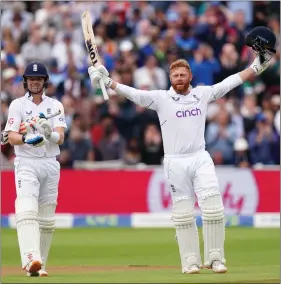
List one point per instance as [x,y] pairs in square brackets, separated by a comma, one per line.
[150,74]
[36,48]
[123,113]
[112,145]
[57,78]
[263,142]
[47,15]
[204,66]
[239,23]
[132,154]
[220,137]
[245,6]
[249,111]
[68,51]
[17,20]
[271,76]
[229,62]
[213,27]
[242,157]
[160,51]
[76,148]
[128,58]
[254,88]
[186,40]
[133,18]
[152,147]
[142,119]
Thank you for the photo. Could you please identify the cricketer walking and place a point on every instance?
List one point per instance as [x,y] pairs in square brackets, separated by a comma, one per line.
[37,172]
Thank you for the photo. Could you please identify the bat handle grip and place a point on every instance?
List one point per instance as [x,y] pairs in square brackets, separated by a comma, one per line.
[104,92]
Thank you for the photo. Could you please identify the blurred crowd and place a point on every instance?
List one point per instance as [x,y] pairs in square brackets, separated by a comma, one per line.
[137,42]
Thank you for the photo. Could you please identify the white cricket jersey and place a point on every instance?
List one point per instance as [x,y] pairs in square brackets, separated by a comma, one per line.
[22,109]
[182,118]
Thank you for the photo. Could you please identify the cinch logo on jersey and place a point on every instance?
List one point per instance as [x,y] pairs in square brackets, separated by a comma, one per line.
[188,112]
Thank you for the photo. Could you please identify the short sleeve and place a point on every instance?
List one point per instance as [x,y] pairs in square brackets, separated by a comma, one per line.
[59,120]
[14,116]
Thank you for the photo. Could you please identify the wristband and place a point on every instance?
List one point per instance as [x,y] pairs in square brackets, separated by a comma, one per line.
[55,137]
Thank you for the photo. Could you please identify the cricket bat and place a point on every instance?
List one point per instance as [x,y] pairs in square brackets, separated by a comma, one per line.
[90,42]
[52,115]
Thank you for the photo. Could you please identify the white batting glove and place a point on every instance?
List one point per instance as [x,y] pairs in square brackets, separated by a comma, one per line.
[259,67]
[44,127]
[4,138]
[96,74]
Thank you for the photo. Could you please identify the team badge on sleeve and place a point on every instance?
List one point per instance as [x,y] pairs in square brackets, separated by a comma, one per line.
[11,121]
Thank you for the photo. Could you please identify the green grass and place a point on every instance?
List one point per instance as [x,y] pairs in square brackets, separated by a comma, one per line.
[81,255]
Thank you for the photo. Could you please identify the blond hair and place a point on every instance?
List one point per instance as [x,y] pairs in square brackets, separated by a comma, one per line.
[180,63]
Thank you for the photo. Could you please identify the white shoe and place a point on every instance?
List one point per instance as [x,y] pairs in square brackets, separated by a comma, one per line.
[40,273]
[193,269]
[33,266]
[218,267]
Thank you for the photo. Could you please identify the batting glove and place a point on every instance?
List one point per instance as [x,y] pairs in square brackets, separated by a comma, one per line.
[46,129]
[44,126]
[4,138]
[36,141]
[29,126]
[97,74]
[259,67]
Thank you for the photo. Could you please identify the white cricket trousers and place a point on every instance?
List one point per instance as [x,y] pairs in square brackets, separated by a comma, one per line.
[190,175]
[38,177]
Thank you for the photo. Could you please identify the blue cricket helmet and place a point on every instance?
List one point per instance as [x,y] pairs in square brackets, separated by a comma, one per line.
[35,69]
[262,40]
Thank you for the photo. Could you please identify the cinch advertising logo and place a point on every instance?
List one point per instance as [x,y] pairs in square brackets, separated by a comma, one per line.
[188,112]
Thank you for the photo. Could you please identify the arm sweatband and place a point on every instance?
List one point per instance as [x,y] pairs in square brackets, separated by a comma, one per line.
[55,137]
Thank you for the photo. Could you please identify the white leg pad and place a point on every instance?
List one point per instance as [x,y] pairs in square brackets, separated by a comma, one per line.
[186,231]
[213,229]
[47,221]
[28,228]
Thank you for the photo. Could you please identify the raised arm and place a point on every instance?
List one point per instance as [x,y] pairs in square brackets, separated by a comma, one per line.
[219,90]
[148,99]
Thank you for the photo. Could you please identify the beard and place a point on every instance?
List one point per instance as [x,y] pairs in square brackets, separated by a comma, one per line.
[181,89]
